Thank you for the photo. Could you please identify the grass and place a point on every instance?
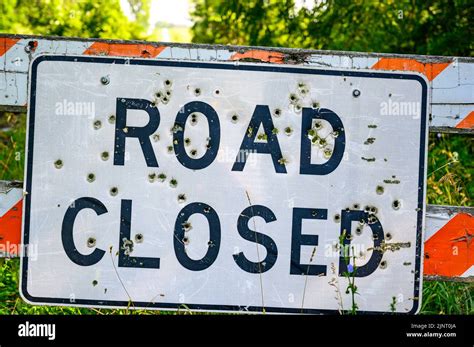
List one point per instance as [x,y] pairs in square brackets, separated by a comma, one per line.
[450,172]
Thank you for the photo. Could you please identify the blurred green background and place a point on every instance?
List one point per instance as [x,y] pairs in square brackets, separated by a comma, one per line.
[439,27]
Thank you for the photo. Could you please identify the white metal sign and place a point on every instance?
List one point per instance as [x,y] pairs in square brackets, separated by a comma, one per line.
[221,186]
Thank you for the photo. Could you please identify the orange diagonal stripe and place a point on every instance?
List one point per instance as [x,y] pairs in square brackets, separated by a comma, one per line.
[10,229]
[449,252]
[265,56]
[6,43]
[124,50]
[467,122]
[430,70]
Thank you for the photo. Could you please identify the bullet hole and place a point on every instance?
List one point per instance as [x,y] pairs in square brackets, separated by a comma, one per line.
[210,243]
[125,130]
[165,99]
[362,222]
[383,264]
[105,80]
[193,152]
[112,119]
[167,83]
[194,119]
[282,161]
[297,107]
[293,98]
[318,125]
[427,256]
[91,242]
[139,238]
[187,141]
[173,183]
[327,153]
[375,237]
[170,149]
[369,141]
[185,240]
[168,93]
[335,134]
[288,131]
[356,93]
[113,191]
[349,237]
[161,177]
[388,236]
[156,137]
[337,217]
[207,209]
[315,141]
[301,85]
[234,118]
[31,46]
[396,204]
[90,177]
[356,206]
[371,219]
[275,131]
[186,226]
[181,198]
[262,137]
[314,213]
[58,164]
[373,209]
[217,92]
[197,91]
[322,142]
[358,231]
[159,95]
[277,112]
[152,177]
[104,156]
[379,190]
[315,104]
[94,283]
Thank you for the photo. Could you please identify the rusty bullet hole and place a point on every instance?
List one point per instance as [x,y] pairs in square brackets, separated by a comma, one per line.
[156,137]
[152,177]
[318,125]
[105,156]
[187,141]
[91,242]
[396,204]
[90,177]
[158,95]
[186,226]
[97,124]
[358,231]
[170,149]
[173,183]
[388,236]
[58,164]
[297,107]
[139,238]
[293,97]
[181,198]
[105,80]
[113,191]
[94,283]
[337,217]
[193,152]
[185,240]
[379,190]
[288,131]
[315,104]
[197,91]
[327,153]
[31,46]
[383,264]
[168,83]
[112,119]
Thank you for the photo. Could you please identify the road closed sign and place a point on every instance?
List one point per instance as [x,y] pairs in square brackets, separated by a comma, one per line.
[223,186]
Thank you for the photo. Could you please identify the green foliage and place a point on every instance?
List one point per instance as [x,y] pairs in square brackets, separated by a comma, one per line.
[439,27]
[80,18]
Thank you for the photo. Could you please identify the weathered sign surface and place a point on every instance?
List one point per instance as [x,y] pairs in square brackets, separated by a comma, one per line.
[223,186]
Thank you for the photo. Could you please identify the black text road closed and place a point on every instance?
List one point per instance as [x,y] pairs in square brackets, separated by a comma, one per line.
[243,187]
